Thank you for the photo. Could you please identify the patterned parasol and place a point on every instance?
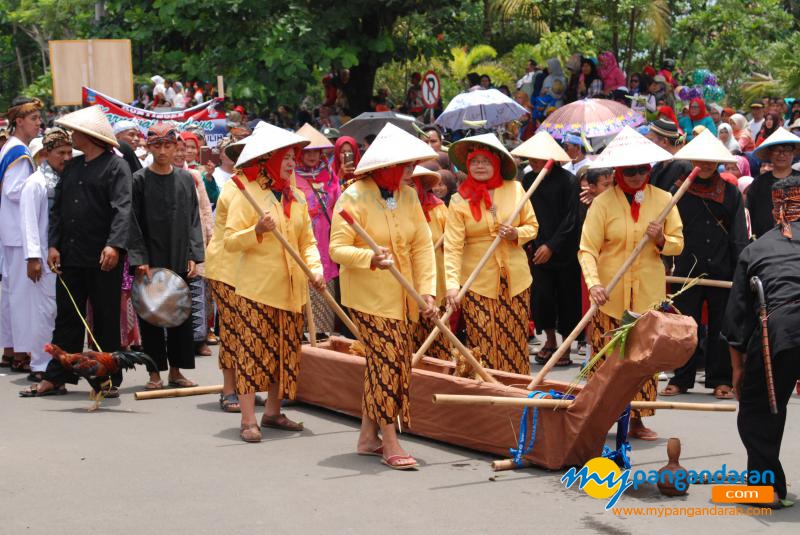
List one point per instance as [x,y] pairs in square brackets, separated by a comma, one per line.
[593,117]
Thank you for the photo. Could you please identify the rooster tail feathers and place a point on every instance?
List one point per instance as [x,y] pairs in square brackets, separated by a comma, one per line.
[129,359]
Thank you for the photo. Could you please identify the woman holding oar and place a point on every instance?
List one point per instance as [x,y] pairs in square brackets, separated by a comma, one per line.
[617,219]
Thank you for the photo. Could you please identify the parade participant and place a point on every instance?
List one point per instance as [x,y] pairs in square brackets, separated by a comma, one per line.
[774,259]
[495,309]
[715,232]
[574,147]
[346,156]
[170,236]
[617,219]
[666,134]
[192,149]
[321,190]
[40,291]
[271,287]
[16,165]
[555,299]
[778,149]
[381,309]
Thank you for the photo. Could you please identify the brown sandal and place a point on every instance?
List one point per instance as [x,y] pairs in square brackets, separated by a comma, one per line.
[672,390]
[250,433]
[281,422]
[723,392]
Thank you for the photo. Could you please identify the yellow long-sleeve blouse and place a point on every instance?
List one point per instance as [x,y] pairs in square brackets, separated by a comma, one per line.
[222,265]
[437,225]
[466,241]
[609,237]
[403,230]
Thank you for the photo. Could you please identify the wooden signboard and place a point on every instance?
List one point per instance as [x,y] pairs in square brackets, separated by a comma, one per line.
[102,64]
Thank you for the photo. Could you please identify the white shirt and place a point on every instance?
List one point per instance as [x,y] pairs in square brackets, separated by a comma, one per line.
[574,167]
[34,217]
[755,127]
[221,176]
[13,180]
[169,97]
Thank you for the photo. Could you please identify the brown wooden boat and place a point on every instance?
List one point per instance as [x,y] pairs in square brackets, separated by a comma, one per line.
[332,378]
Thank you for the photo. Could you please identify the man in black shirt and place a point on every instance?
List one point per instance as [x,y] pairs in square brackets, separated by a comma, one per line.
[779,149]
[664,133]
[165,206]
[775,259]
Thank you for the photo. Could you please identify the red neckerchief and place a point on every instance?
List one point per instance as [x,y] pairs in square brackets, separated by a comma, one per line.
[389,178]
[427,199]
[264,173]
[635,205]
[475,191]
[712,189]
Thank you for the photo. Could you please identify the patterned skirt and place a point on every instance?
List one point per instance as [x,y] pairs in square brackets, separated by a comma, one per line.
[227,303]
[197,288]
[497,329]
[602,324]
[440,348]
[388,373]
[323,314]
[269,348]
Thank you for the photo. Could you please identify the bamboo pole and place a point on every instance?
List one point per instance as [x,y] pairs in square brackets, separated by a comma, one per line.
[439,242]
[509,464]
[418,298]
[177,392]
[459,399]
[482,262]
[297,258]
[312,328]
[700,282]
[565,345]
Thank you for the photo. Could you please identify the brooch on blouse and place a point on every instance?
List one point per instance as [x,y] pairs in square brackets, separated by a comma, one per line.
[639,196]
[391,203]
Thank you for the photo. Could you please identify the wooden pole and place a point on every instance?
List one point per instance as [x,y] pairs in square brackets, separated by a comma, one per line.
[565,345]
[482,262]
[177,392]
[297,258]
[509,464]
[439,242]
[460,399]
[700,282]
[312,328]
[418,298]
[221,88]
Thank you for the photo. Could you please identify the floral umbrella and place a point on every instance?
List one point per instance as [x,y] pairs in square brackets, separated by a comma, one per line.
[592,117]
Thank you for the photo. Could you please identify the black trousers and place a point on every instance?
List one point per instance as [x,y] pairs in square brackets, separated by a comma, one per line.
[556,297]
[173,346]
[718,361]
[761,431]
[102,289]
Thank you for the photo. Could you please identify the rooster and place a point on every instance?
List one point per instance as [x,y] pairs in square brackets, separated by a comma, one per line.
[95,367]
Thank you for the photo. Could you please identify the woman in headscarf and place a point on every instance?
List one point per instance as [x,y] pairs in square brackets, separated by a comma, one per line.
[741,132]
[698,116]
[379,306]
[616,220]
[612,76]
[271,287]
[772,121]
[495,309]
[555,84]
[725,134]
[346,155]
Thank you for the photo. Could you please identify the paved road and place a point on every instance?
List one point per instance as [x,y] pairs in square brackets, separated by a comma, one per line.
[177,466]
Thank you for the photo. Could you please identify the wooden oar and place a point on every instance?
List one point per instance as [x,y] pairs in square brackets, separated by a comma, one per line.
[418,298]
[299,259]
[700,282]
[482,262]
[312,328]
[565,345]
[460,399]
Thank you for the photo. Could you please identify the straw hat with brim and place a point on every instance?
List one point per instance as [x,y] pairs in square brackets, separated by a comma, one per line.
[35,146]
[428,178]
[629,148]
[393,146]
[781,136]
[705,147]
[795,125]
[90,121]
[459,151]
[542,146]
[318,141]
[264,140]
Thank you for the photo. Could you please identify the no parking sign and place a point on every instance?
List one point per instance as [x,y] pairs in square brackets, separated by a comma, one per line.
[431,89]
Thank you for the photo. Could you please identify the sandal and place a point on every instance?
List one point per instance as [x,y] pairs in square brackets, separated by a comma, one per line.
[212,339]
[35,377]
[544,354]
[642,433]
[672,390]
[229,403]
[563,361]
[33,392]
[377,452]
[6,362]
[181,382]
[202,350]
[281,422]
[22,366]
[400,462]
[723,392]
[113,393]
[250,433]
[154,385]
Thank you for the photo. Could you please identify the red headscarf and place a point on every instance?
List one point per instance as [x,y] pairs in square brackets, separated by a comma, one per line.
[337,151]
[635,205]
[188,136]
[475,191]
[389,178]
[270,171]
[427,199]
[701,111]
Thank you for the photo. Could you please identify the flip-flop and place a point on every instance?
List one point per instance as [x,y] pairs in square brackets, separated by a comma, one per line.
[563,361]
[182,383]
[544,354]
[154,385]
[33,392]
[395,462]
[641,434]
[719,393]
[377,452]
[672,390]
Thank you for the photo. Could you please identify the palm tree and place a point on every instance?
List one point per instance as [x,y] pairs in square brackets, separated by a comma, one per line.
[527,10]
[477,58]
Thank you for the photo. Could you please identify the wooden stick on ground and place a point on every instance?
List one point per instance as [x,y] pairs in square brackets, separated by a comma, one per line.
[177,392]
[312,328]
[299,259]
[409,288]
[482,262]
[700,282]
[459,399]
[565,345]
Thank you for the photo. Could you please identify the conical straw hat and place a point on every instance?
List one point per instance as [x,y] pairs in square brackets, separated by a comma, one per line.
[781,136]
[705,147]
[264,140]
[429,178]
[629,147]
[318,141]
[542,146]
[36,145]
[393,146]
[90,121]
[459,150]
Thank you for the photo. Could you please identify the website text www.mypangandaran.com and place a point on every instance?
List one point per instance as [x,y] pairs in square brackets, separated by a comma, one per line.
[666,512]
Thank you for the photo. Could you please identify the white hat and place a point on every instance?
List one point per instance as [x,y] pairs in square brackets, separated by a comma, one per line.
[157,79]
[266,138]
[459,151]
[781,136]
[705,147]
[318,141]
[428,178]
[90,121]
[628,148]
[124,125]
[744,182]
[35,146]
[542,146]
[393,146]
